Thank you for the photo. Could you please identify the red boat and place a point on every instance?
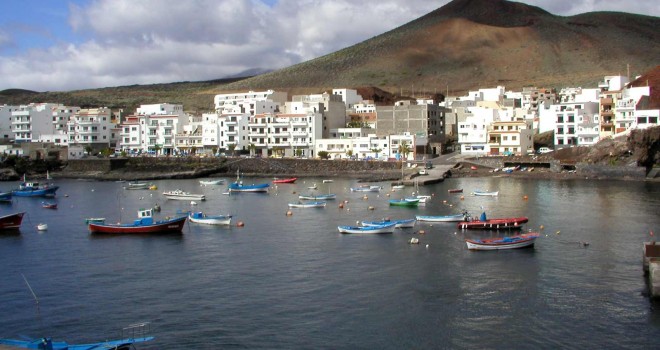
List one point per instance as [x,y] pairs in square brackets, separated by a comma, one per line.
[285,181]
[455,190]
[143,224]
[494,224]
[11,221]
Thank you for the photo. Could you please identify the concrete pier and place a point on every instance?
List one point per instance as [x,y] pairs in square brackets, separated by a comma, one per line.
[652,267]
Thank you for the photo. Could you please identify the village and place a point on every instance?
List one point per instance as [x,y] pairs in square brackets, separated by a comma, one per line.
[337,124]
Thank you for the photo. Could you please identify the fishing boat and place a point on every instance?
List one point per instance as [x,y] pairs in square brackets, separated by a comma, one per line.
[510,242]
[137,186]
[143,224]
[405,202]
[238,186]
[34,189]
[493,224]
[182,195]
[389,228]
[455,190]
[49,205]
[366,188]
[285,181]
[129,339]
[5,196]
[443,218]
[201,218]
[403,223]
[11,221]
[212,182]
[318,197]
[485,193]
[318,204]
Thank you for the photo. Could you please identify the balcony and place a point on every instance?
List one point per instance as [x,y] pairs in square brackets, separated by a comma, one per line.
[88,132]
[607,113]
[606,101]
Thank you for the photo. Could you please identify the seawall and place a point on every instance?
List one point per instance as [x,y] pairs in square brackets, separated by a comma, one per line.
[139,168]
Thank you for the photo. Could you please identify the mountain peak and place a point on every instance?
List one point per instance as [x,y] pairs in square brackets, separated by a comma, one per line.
[499,13]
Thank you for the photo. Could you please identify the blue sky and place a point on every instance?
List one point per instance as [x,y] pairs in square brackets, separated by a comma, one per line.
[53,45]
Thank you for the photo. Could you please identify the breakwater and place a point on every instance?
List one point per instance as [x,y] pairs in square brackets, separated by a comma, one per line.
[193,167]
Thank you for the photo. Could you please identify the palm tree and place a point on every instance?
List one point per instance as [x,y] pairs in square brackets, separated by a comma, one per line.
[376,151]
[349,153]
[253,148]
[231,148]
[404,149]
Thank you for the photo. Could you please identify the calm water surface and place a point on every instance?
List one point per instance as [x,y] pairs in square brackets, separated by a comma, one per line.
[294,282]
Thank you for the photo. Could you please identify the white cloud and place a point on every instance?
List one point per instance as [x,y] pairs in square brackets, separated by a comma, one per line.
[155,41]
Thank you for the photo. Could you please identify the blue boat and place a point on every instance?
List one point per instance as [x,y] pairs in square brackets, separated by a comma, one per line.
[388,228]
[34,189]
[5,196]
[240,187]
[132,334]
[403,223]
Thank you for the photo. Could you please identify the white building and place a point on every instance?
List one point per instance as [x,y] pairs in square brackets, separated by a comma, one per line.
[331,108]
[368,146]
[285,134]
[31,122]
[91,127]
[250,102]
[510,138]
[350,97]
[154,130]
[473,132]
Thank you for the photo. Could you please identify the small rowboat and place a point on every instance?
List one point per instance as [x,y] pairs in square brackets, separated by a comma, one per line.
[405,202]
[317,197]
[372,188]
[404,223]
[455,190]
[212,182]
[285,181]
[48,205]
[42,227]
[485,193]
[182,195]
[389,228]
[307,205]
[201,218]
[511,242]
[95,220]
[442,218]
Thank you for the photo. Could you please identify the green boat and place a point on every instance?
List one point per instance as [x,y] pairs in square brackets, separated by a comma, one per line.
[405,202]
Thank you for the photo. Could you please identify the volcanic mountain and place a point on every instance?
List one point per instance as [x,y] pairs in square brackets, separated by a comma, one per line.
[468,44]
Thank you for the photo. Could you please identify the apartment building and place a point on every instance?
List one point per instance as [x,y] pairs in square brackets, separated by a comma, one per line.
[510,138]
[286,135]
[6,134]
[153,129]
[359,145]
[250,102]
[422,120]
[30,123]
[331,108]
[92,127]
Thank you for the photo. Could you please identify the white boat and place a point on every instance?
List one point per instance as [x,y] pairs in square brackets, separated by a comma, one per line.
[318,197]
[485,193]
[511,242]
[212,182]
[372,188]
[137,186]
[328,181]
[398,187]
[389,228]
[42,227]
[307,205]
[423,198]
[201,218]
[181,195]
[443,218]
[312,187]
[404,223]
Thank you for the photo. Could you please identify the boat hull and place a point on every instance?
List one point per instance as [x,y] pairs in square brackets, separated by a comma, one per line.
[485,194]
[210,220]
[494,224]
[455,190]
[406,223]
[367,229]
[308,205]
[211,182]
[42,192]
[234,187]
[320,197]
[441,218]
[515,242]
[11,221]
[285,181]
[404,202]
[184,196]
[166,226]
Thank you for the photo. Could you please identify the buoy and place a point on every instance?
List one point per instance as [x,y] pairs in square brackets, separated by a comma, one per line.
[421,232]
[346,201]
[92,190]
[541,227]
[240,224]
[462,198]
[371,208]
[365,197]
[66,195]
[444,201]
[348,209]
[388,194]
[289,213]
[341,205]
[525,197]
[414,240]
[427,246]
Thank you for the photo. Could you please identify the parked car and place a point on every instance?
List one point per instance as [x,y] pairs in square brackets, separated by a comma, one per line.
[428,165]
[544,150]
[423,172]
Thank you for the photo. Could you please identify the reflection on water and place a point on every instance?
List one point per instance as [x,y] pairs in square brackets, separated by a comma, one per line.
[294,282]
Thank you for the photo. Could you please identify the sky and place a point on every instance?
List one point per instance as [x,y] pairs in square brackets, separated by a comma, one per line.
[60,45]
